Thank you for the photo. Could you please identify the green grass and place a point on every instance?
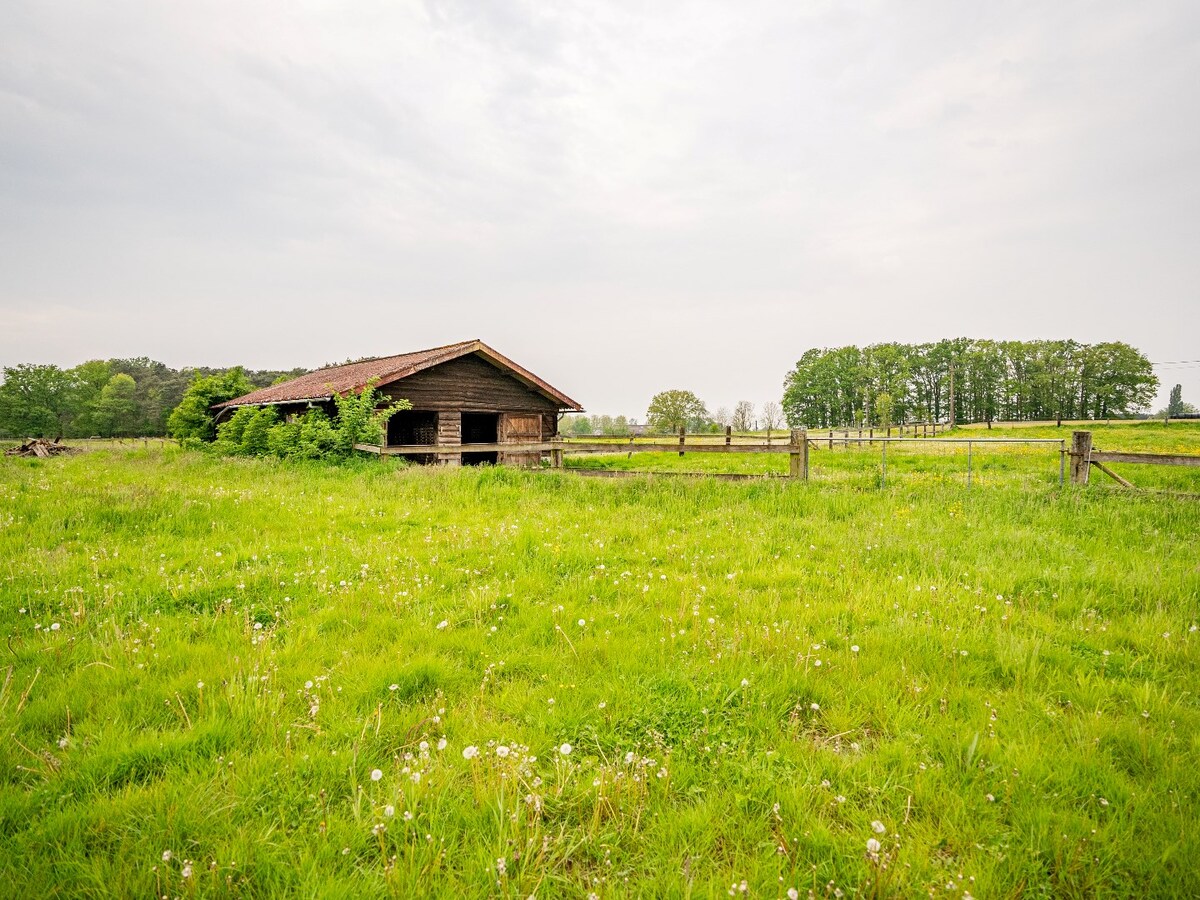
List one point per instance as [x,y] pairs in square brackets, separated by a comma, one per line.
[1020,713]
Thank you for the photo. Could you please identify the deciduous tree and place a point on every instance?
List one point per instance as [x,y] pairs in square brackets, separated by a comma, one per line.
[671,410]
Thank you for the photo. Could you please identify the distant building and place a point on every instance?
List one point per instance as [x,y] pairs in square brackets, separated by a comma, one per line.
[461,394]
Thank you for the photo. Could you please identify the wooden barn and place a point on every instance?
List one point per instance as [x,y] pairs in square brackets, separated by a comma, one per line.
[461,394]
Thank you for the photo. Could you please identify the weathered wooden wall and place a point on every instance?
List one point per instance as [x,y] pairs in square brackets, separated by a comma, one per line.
[521,428]
[468,383]
[449,432]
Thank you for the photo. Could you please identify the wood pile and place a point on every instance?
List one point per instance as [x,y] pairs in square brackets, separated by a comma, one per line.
[41,448]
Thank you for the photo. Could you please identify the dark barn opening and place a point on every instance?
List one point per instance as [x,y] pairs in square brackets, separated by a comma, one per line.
[413,427]
[480,428]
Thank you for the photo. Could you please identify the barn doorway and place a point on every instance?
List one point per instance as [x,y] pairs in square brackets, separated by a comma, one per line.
[409,427]
[480,428]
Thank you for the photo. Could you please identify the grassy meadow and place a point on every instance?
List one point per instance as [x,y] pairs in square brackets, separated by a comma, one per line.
[249,678]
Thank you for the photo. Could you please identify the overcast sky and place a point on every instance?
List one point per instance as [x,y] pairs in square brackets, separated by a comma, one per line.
[622,196]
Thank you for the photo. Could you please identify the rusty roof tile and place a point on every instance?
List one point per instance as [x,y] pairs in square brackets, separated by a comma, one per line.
[324,383]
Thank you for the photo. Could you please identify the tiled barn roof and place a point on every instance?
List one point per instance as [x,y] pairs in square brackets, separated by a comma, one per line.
[324,383]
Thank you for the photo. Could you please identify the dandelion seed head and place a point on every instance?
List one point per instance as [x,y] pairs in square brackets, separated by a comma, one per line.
[376,774]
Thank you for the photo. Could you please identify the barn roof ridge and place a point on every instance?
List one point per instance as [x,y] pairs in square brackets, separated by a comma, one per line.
[323,384]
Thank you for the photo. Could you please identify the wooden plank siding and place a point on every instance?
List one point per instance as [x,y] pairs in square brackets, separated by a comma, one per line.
[468,384]
[521,428]
[449,434]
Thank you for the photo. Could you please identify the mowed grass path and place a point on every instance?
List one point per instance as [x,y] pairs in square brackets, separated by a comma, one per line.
[234,678]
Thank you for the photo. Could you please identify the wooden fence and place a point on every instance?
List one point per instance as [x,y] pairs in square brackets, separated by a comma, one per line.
[1083,456]
[798,445]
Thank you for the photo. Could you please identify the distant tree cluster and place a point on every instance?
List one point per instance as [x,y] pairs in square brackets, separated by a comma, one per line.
[584,426]
[670,410]
[884,384]
[105,398]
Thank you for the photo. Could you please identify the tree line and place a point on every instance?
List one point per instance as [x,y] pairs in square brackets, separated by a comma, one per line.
[885,384]
[106,397]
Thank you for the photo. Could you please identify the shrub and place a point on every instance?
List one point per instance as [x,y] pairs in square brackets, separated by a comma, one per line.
[258,432]
[193,417]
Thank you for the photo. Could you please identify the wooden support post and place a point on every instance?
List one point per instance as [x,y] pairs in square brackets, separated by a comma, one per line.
[1113,475]
[830,438]
[1081,451]
[682,432]
[870,435]
[729,435]
[556,457]
[860,438]
[799,454]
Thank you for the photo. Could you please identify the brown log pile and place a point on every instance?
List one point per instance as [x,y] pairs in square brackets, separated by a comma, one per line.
[41,448]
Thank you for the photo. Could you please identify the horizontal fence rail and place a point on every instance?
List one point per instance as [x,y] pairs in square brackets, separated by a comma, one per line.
[797,444]
[1083,457]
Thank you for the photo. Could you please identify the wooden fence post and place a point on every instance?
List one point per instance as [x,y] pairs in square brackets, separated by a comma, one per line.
[1081,449]
[682,432]
[799,454]
[556,457]
[728,435]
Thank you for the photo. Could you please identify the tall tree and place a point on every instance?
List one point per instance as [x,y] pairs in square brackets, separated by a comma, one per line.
[743,416]
[37,401]
[671,410]
[772,416]
[115,410]
[1176,407]
[194,417]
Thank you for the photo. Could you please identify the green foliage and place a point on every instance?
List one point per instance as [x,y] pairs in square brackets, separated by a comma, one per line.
[194,416]
[1177,406]
[671,410]
[362,417]
[54,401]
[257,431]
[1006,684]
[114,409]
[1009,380]
[36,401]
